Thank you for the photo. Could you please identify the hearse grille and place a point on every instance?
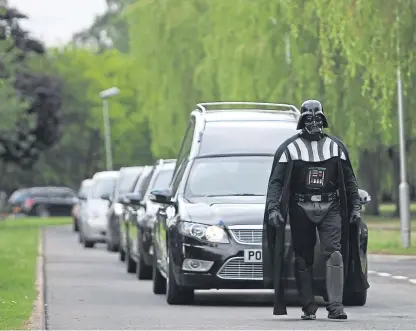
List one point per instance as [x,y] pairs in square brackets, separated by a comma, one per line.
[248,235]
[236,269]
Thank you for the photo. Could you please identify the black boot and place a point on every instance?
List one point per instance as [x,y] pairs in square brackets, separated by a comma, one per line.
[304,282]
[335,286]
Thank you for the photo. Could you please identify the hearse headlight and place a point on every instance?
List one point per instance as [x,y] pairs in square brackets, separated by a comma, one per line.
[211,233]
[118,209]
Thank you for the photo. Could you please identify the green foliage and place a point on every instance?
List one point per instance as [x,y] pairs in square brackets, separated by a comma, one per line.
[169,55]
[80,152]
[342,52]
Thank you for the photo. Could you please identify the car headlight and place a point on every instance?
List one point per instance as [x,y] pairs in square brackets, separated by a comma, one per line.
[118,209]
[211,233]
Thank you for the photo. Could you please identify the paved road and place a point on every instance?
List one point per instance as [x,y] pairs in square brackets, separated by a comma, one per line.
[90,289]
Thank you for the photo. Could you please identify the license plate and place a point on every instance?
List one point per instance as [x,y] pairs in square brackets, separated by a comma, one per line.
[253,255]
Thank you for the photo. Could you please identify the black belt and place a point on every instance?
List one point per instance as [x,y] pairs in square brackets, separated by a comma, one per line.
[323,197]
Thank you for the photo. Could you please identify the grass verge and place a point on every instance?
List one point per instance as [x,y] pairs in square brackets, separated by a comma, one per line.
[19,248]
[384,232]
[382,241]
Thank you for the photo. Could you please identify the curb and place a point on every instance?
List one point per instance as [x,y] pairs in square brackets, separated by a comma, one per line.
[37,320]
[392,256]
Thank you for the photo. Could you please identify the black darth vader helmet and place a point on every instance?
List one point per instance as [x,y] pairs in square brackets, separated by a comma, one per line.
[312,118]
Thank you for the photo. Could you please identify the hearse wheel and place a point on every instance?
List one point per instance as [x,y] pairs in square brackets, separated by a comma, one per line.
[159,282]
[143,271]
[175,294]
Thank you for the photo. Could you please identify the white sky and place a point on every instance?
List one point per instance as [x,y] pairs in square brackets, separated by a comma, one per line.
[54,21]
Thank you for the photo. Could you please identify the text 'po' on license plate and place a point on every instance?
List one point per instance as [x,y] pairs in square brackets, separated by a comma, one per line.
[253,255]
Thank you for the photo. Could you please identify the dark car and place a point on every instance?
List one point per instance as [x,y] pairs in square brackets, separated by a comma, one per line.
[138,190]
[141,220]
[208,232]
[125,184]
[82,197]
[16,199]
[44,201]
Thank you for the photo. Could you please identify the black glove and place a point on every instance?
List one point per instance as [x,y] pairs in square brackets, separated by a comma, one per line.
[276,219]
[355,216]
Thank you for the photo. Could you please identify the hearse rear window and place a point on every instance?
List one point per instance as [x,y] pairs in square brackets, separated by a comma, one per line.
[235,137]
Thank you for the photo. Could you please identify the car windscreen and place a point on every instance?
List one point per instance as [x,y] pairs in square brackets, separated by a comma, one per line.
[102,186]
[18,196]
[229,176]
[162,180]
[127,181]
[84,189]
[239,137]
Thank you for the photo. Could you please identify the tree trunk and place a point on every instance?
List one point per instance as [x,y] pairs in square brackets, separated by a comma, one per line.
[369,179]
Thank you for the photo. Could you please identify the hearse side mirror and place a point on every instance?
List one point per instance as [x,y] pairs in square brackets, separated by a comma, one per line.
[364,196]
[133,199]
[161,196]
[106,196]
[123,200]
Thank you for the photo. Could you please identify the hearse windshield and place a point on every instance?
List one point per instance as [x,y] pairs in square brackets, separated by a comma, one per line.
[102,186]
[245,137]
[229,176]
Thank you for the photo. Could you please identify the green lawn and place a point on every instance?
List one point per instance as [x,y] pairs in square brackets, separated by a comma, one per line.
[382,241]
[18,247]
[389,208]
[385,219]
[384,231]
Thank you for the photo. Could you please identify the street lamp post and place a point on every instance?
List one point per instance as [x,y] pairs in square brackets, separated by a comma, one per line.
[105,95]
[404,198]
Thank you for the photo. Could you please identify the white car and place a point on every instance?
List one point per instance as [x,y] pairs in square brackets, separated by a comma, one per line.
[93,214]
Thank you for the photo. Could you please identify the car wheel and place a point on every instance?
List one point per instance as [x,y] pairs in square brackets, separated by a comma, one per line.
[111,247]
[143,271]
[42,211]
[175,294]
[122,255]
[356,299]
[131,264]
[159,282]
[75,225]
[88,243]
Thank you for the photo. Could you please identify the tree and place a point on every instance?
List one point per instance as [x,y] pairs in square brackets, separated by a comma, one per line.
[342,52]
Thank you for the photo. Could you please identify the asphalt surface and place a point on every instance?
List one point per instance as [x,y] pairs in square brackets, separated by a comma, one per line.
[90,289]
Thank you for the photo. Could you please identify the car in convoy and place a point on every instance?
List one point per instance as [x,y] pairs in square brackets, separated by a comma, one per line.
[126,181]
[141,220]
[131,209]
[43,201]
[208,233]
[82,196]
[93,214]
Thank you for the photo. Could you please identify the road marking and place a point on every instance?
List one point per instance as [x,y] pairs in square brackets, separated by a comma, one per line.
[386,274]
[383,274]
[400,277]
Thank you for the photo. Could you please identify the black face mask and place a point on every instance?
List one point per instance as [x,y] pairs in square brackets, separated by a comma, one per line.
[314,124]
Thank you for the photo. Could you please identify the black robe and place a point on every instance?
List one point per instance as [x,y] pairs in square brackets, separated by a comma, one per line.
[274,239]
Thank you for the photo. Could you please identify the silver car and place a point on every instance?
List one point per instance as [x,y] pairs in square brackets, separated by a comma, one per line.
[93,215]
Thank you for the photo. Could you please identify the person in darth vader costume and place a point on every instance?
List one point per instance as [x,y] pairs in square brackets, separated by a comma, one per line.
[313,186]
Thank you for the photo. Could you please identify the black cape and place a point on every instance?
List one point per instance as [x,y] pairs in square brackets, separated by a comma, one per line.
[274,239]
